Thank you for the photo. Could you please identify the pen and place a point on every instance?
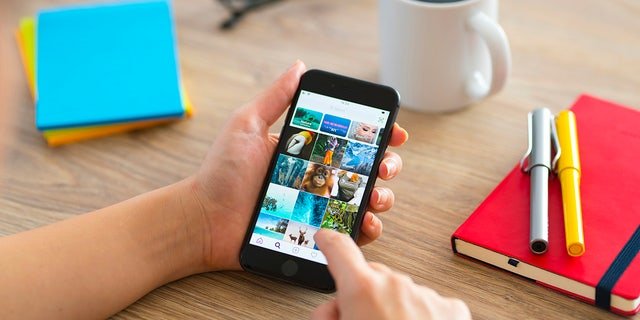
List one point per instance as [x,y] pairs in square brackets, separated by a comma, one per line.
[541,135]
[569,173]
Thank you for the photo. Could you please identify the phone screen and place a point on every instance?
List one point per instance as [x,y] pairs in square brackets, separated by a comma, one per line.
[323,164]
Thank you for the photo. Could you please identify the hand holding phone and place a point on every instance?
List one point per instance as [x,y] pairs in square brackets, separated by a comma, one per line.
[230,177]
[322,175]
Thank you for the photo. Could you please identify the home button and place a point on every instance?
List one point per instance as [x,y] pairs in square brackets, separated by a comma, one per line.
[289,268]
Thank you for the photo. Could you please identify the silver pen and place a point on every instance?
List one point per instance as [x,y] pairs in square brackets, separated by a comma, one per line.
[542,134]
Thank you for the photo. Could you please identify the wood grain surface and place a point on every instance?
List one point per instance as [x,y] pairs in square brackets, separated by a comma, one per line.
[452,161]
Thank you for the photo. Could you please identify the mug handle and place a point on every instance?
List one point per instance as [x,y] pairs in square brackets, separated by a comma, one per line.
[496,40]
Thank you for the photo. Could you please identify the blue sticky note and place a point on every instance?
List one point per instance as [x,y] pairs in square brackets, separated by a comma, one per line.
[335,125]
[107,63]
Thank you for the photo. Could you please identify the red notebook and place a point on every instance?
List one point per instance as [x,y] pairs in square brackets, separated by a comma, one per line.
[498,230]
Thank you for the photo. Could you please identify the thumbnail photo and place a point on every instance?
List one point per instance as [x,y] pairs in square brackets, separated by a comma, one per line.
[309,209]
[328,150]
[300,234]
[307,118]
[349,187]
[358,158]
[379,138]
[363,132]
[335,125]
[318,179]
[340,216]
[270,226]
[289,171]
[279,201]
[299,142]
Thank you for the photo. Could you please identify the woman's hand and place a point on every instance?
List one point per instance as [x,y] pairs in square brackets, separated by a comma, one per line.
[229,181]
[100,262]
[373,291]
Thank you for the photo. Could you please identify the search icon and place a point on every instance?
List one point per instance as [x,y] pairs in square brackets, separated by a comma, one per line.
[277,244]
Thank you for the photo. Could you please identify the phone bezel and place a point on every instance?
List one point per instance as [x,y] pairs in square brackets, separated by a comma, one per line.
[311,274]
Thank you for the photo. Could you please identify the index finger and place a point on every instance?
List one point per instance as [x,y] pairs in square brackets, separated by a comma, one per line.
[398,136]
[343,255]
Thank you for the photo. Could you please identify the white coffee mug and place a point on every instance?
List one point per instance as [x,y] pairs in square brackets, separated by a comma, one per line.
[442,55]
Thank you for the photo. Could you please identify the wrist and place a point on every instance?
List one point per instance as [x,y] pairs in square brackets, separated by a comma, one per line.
[194,228]
[177,229]
[216,250]
[222,227]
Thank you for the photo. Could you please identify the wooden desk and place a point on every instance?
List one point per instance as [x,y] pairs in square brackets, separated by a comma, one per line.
[560,49]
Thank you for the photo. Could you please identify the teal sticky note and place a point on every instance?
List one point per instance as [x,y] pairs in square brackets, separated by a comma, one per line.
[105,64]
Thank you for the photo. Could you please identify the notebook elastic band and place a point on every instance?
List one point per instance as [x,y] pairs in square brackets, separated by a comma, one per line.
[616,269]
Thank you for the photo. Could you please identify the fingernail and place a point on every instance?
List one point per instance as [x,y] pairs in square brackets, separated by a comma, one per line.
[295,63]
[392,167]
[374,221]
[383,196]
[406,133]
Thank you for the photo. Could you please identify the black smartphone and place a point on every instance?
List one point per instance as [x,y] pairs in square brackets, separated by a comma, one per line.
[321,176]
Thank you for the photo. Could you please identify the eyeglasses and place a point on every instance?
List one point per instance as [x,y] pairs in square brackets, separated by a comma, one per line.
[238,8]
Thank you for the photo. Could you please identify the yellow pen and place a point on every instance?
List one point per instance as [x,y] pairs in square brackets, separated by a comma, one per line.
[569,172]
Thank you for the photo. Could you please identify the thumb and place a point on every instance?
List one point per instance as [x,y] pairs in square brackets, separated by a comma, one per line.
[326,311]
[269,105]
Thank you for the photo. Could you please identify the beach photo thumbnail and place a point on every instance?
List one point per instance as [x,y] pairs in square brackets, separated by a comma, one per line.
[270,226]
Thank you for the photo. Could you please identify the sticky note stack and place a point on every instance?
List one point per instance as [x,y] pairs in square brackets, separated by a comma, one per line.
[96,70]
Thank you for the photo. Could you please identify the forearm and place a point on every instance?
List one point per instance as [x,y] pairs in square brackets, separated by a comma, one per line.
[96,264]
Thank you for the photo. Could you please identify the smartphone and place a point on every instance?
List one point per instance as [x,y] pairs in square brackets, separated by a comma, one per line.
[321,176]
